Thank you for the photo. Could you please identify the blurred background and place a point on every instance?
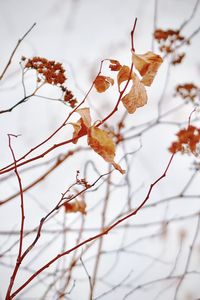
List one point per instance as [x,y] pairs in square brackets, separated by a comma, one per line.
[155,254]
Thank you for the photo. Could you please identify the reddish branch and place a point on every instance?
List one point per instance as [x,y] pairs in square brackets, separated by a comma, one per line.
[99,235]
[59,161]
[126,85]
[18,261]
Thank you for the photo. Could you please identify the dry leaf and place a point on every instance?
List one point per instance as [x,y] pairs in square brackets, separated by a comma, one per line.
[102,83]
[81,127]
[85,115]
[137,96]
[147,64]
[100,141]
[123,75]
[114,65]
[79,130]
[77,206]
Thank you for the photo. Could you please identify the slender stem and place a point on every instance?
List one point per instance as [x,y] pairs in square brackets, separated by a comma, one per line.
[14,50]
[104,232]
[19,256]
[132,35]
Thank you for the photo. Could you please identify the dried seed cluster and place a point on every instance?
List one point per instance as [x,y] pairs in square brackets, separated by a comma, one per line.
[51,72]
[188,140]
[187,91]
[168,40]
[69,97]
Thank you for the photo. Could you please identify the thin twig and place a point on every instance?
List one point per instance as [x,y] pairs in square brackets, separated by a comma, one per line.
[18,261]
[14,50]
[104,232]
[155,17]
[188,259]
[191,16]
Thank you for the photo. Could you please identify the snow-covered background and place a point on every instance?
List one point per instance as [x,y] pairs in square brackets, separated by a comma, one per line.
[80,33]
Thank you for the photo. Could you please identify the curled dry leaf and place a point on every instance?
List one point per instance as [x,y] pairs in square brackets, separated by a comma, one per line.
[100,141]
[137,96]
[114,65]
[147,64]
[81,127]
[102,83]
[76,206]
[79,130]
[85,115]
[123,75]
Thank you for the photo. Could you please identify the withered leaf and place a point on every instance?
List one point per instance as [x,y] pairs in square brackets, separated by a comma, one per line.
[114,65]
[100,141]
[85,115]
[76,206]
[81,127]
[123,75]
[102,83]
[147,64]
[137,96]
[79,130]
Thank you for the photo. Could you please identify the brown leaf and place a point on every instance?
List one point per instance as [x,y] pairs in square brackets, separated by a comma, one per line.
[77,206]
[81,127]
[102,83]
[85,115]
[100,141]
[79,130]
[114,65]
[137,96]
[123,75]
[147,64]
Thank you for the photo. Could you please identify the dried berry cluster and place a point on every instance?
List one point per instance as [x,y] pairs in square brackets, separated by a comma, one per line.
[168,41]
[188,140]
[187,91]
[51,72]
[69,97]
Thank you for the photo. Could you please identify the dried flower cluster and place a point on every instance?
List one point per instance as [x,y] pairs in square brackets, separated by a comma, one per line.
[177,58]
[168,41]
[49,70]
[69,97]
[187,91]
[188,141]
